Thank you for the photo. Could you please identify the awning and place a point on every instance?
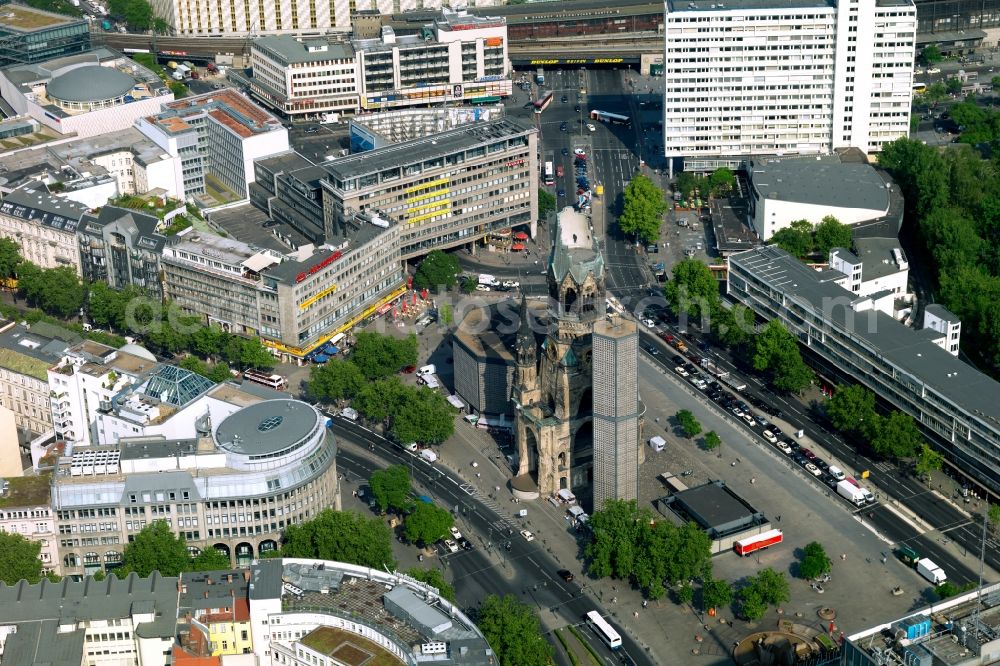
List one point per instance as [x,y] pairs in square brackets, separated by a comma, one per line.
[385,308]
[337,338]
[456,402]
[321,358]
[517,247]
[520,235]
[566,495]
[331,350]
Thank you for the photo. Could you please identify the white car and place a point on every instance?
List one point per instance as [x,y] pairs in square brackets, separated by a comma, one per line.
[784,448]
[679,369]
[648,323]
[482,287]
[934,70]
[770,437]
[591,127]
[451,546]
[455,533]
[580,152]
[511,284]
[738,412]
[812,469]
[528,536]
[748,417]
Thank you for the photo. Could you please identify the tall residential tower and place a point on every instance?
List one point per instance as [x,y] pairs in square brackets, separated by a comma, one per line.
[781,77]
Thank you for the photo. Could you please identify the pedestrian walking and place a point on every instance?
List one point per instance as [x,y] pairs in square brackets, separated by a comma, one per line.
[778,517]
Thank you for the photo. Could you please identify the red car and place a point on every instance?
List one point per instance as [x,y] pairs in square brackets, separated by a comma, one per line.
[559,171]
[807,453]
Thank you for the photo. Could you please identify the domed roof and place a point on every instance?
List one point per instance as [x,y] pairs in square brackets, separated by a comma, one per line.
[137,350]
[91,83]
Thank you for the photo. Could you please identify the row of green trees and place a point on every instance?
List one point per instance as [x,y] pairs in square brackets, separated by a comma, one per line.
[801,239]
[60,293]
[894,436]
[644,203]
[694,292]
[953,202]
[628,543]
[369,380]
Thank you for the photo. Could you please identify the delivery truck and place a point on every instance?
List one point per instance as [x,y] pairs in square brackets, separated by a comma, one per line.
[851,493]
[428,455]
[744,547]
[181,73]
[931,571]
[657,443]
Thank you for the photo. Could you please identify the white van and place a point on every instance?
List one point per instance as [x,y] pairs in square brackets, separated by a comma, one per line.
[836,473]
[427,369]
[349,413]
[657,443]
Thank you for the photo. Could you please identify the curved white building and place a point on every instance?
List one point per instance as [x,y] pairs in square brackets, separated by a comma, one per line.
[235,486]
[305,612]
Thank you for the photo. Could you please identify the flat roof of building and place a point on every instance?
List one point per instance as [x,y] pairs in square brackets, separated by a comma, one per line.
[745,5]
[33,351]
[820,180]
[27,491]
[246,222]
[615,327]
[713,504]
[24,19]
[293,50]
[91,83]
[877,256]
[226,250]
[908,349]
[226,106]
[348,647]
[266,427]
[425,148]
[284,162]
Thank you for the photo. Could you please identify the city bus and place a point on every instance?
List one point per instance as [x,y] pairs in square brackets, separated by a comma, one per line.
[276,382]
[611,118]
[919,88]
[543,103]
[548,175]
[601,627]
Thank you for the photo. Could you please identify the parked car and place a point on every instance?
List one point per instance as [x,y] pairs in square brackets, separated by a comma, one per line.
[812,469]
[679,369]
[455,533]
[564,99]
[565,574]
[784,448]
[770,437]
[451,546]
[748,417]
[528,536]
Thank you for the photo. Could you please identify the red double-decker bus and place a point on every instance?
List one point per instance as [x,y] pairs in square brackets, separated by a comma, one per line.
[760,541]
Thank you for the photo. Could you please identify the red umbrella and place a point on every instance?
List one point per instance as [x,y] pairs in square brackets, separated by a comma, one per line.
[404,307]
[409,281]
[520,235]
[517,247]
[414,298]
[423,294]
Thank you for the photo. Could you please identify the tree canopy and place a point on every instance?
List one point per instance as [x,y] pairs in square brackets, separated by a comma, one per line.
[795,239]
[716,593]
[895,436]
[688,423]
[692,289]
[435,578]
[928,460]
[335,380]
[57,291]
[20,559]
[776,352]
[767,588]
[626,543]
[643,208]
[438,269]
[712,440]
[546,203]
[391,488]
[930,54]
[721,181]
[10,258]
[513,630]
[814,561]
[137,13]
[156,548]
[850,407]
[344,536]
[427,523]
[379,356]
[831,233]
[210,559]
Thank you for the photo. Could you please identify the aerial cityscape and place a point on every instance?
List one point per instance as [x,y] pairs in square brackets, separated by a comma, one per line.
[499,333]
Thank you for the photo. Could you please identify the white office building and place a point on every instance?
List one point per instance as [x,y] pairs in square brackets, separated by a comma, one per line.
[780,77]
[457,57]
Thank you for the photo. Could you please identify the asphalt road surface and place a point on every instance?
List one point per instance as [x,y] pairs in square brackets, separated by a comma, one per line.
[530,571]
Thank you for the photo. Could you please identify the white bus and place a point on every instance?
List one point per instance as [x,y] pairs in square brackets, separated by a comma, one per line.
[604,630]
[276,382]
[548,174]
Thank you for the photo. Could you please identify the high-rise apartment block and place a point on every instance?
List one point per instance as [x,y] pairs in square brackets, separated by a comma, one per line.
[616,410]
[781,77]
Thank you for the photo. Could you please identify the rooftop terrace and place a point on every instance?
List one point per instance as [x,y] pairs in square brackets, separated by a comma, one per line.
[20,18]
[27,491]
